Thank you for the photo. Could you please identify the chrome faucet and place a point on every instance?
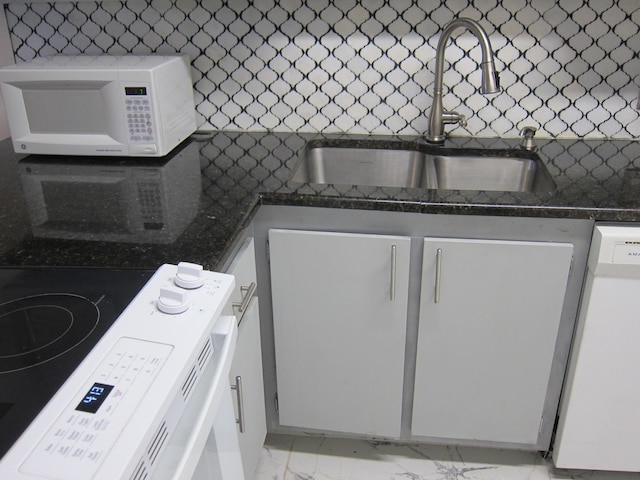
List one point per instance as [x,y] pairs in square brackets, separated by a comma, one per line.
[490,81]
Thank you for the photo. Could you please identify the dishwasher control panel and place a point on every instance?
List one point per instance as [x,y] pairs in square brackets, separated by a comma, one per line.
[615,248]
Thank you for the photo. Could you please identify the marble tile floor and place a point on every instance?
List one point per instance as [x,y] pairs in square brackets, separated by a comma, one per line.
[315,458]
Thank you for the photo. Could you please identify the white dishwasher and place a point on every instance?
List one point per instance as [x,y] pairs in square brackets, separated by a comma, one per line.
[599,424]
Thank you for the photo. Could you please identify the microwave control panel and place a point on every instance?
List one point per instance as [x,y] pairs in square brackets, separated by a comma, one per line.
[139,109]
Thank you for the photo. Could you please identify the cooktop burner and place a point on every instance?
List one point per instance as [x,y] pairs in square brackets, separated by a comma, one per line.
[49,320]
[39,328]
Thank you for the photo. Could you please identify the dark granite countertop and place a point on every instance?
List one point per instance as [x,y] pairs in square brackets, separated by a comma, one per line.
[140,213]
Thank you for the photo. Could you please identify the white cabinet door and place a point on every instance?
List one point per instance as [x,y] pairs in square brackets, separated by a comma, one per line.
[489,316]
[340,312]
[246,370]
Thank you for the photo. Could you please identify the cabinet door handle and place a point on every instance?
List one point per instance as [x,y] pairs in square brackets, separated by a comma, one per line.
[247,294]
[393,272]
[240,400]
[436,293]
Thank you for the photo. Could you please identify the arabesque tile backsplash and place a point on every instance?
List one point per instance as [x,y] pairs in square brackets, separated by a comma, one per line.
[568,67]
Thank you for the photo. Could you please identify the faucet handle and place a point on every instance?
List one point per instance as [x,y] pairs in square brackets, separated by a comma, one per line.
[454,117]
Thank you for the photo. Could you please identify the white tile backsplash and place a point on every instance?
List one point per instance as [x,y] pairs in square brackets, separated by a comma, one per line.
[569,68]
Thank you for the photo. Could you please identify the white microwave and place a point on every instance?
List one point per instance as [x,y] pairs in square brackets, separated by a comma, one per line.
[99,105]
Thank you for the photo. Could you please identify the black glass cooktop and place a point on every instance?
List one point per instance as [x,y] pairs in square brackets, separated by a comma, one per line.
[49,320]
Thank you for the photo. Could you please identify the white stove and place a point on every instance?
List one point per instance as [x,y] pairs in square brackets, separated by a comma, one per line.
[144,401]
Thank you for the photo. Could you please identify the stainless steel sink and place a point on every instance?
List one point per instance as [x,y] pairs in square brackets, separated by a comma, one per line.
[408,166]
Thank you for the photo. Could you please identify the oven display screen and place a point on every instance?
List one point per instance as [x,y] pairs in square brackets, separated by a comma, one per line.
[95,397]
[135,90]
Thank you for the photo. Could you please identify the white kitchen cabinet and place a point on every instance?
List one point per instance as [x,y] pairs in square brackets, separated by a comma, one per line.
[246,371]
[517,290]
[339,313]
[488,324]
[245,375]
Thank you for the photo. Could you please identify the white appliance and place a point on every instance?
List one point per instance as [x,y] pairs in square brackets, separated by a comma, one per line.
[599,424]
[99,105]
[152,398]
[138,201]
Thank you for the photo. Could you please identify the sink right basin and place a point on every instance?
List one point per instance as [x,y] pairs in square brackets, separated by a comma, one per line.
[489,172]
[400,164]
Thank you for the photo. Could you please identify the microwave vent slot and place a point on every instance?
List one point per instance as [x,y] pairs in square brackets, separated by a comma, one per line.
[177,121]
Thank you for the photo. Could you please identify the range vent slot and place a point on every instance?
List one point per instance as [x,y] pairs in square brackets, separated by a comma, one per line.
[190,381]
[157,442]
[205,353]
[140,472]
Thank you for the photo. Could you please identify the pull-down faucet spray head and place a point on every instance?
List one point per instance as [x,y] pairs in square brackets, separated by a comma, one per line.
[490,81]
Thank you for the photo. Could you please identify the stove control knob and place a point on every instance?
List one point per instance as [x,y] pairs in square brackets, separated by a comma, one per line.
[189,275]
[172,300]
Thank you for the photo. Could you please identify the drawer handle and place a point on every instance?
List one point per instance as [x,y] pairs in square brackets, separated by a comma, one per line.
[247,294]
[436,295]
[239,399]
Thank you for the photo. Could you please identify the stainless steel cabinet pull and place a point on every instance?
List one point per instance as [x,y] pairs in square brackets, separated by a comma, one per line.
[393,272]
[238,389]
[246,297]
[436,296]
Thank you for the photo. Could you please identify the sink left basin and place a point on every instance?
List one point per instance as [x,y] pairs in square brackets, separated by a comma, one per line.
[405,165]
[361,166]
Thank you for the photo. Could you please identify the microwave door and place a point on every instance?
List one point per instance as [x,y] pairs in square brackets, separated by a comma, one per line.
[63,116]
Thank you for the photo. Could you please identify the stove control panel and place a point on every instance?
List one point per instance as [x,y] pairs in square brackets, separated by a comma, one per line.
[82,436]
